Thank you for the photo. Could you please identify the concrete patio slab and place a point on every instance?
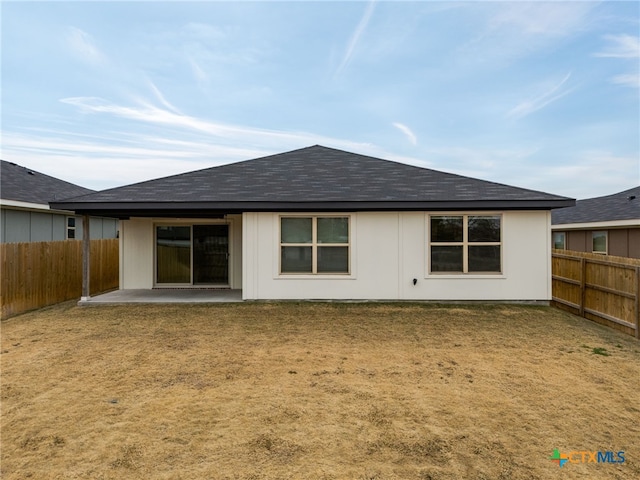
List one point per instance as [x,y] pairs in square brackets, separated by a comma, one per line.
[162,295]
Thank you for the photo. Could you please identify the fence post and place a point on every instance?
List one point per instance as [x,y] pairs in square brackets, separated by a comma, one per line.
[86,258]
[583,286]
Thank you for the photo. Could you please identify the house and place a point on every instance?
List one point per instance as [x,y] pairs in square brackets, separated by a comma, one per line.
[321,223]
[25,215]
[609,225]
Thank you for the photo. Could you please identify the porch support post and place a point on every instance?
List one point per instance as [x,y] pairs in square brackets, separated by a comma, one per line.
[86,258]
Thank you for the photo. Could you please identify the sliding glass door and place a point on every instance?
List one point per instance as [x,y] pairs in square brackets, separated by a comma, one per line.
[210,254]
[173,254]
[192,254]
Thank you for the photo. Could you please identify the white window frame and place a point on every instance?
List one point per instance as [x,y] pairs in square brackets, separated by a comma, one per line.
[314,246]
[606,242]
[465,243]
[71,228]
[564,240]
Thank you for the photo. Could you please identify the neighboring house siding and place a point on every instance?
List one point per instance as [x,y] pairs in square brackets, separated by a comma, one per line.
[41,227]
[625,242]
[59,227]
[389,250]
[621,242]
[577,241]
[634,243]
[617,216]
[17,226]
[100,228]
[29,226]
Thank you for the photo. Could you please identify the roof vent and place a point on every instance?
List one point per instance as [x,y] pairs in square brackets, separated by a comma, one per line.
[30,173]
[631,197]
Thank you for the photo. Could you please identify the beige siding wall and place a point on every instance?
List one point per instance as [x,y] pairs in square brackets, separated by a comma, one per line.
[389,250]
[136,253]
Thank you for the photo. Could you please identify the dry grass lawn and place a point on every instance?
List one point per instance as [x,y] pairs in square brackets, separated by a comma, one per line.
[315,391]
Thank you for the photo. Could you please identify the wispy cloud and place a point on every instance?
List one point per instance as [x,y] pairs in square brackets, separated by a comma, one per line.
[158,94]
[553,94]
[407,131]
[621,46]
[151,114]
[594,172]
[626,47]
[204,31]
[83,45]
[546,19]
[181,143]
[355,37]
[516,29]
[202,78]
[628,80]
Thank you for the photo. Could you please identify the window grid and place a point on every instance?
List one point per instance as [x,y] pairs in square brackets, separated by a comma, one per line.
[314,246]
[465,244]
[71,228]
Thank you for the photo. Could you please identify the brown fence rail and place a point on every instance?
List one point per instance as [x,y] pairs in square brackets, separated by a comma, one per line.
[38,274]
[602,288]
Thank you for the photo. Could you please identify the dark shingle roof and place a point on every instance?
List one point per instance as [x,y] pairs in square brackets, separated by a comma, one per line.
[619,206]
[311,175]
[26,185]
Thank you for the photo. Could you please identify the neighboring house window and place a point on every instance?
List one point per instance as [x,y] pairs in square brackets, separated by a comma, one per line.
[560,240]
[465,244]
[599,242]
[314,245]
[71,228]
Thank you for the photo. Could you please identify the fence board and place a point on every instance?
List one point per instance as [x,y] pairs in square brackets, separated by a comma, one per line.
[38,274]
[605,289]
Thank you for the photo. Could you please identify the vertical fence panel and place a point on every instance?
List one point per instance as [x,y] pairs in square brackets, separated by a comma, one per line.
[609,288]
[38,274]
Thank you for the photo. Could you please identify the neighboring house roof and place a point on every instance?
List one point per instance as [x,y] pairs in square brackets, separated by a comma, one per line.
[22,185]
[313,178]
[622,207]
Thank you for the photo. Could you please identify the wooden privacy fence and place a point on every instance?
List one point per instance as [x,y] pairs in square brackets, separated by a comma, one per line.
[601,288]
[38,274]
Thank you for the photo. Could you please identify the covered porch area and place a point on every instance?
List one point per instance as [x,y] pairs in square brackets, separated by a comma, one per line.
[173,260]
[165,295]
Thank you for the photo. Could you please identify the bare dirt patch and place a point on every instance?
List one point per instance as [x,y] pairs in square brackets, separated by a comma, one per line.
[315,391]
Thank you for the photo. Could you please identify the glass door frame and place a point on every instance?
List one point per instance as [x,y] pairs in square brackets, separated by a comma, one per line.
[190,223]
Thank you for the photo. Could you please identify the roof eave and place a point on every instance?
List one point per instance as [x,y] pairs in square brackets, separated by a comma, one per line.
[159,209]
[625,223]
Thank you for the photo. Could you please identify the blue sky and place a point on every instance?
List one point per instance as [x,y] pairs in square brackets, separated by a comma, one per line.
[542,95]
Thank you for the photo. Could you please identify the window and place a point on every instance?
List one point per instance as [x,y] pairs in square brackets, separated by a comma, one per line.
[465,243]
[314,245]
[599,242]
[560,240]
[71,228]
